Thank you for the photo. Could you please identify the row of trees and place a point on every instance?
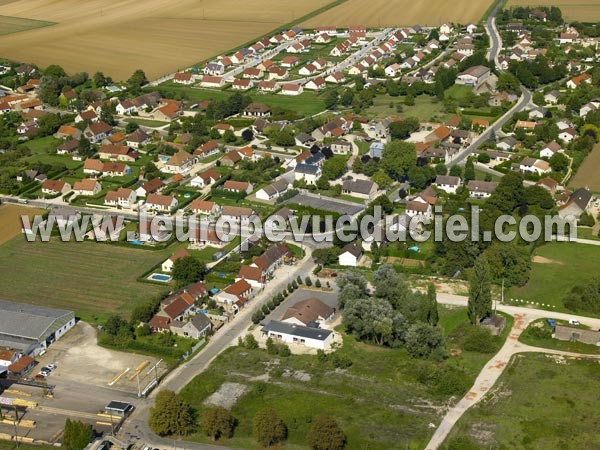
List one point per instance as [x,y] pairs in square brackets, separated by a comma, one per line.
[171,415]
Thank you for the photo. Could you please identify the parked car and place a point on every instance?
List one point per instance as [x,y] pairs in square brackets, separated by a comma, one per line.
[52,366]
[574,322]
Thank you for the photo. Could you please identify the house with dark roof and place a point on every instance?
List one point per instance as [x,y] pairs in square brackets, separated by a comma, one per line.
[273,190]
[364,189]
[576,204]
[351,254]
[196,327]
[481,189]
[296,334]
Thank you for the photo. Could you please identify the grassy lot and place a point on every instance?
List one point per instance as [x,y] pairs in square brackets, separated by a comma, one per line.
[307,103]
[539,334]
[9,25]
[8,445]
[379,400]
[540,402]
[43,151]
[587,233]
[570,264]
[425,107]
[481,175]
[91,278]
[10,220]
[588,175]
[147,122]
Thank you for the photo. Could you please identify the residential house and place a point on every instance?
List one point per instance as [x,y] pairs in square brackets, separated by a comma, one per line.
[122,197]
[253,275]
[310,312]
[532,165]
[196,327]
[481,189]
[68,147]
[204,207]
[183,78]
[115,169]
[92,166]
[364,189]
[161,203]
[351,254]
[308,173]
[150,187]
[167,265]
[114,152]
[550,150]
[180,162]
[273,190]
[417,208]
[55,187]
[205,178]
[291,89]
[138,138]
[242,84]
[237,186]
[96,132]
[257,110]
[272,258]
[212,81]
[473,76]
[341,147]
[67,132]
[237,214]
[87,187]
[577,203]
[316,84]
[294,334]
[231,158]
[579,79]
[447,183]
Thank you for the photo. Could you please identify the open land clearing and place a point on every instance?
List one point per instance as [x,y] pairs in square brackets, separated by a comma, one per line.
[87,277]
[560,412]
[587,175]
[401,12]
[158,36]
[557,267]
[583,10]
[10,220]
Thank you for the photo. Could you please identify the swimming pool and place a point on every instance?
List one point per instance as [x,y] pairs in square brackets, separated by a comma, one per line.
[164,158]
[136,242]
[160,277]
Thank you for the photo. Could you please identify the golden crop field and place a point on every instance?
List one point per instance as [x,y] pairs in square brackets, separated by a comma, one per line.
[10,220]
[401,12]
[583,10]
[587,175]
[158,36]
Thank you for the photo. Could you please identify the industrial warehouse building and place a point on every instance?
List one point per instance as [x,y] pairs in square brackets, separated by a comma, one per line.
[30,329]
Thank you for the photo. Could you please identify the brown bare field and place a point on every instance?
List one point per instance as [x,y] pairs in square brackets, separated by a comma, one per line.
[588,175]
[10,220]
[583,10]
[401,12]
[158,36]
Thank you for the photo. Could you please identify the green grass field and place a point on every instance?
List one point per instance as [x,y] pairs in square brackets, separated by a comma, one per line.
[570,265]
[424,109]
[91,278]
[379,401]
[147,122]
[9,25]
[307,103]
[538,403]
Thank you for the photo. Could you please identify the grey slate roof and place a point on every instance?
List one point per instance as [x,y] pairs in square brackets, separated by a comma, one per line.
[20,320]
[307,169]
[276,326]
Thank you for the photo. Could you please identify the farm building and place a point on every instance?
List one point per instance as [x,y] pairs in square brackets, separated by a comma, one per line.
[297,334]
[31,329]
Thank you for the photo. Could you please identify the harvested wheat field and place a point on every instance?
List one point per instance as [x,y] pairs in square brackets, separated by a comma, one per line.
[10,220]
[583,10]
[401,12]
[158,36]
[588,174]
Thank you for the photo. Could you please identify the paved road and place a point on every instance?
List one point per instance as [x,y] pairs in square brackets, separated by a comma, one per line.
[488,376]
[522,103]
[137,423]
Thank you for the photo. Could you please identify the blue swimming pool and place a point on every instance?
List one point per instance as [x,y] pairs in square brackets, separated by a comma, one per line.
[164,158]
[136,242]
[160,277]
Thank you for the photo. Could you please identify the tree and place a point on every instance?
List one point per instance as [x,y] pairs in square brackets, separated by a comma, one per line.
[77,435]
[509,262]
[397,159]
[469,170]
[382,179]
[268,428]
[401,129]
[456,171]
[136,80]
[247,135]
[509,193]
[559,162]
[423,339]
[84,148]
[480,294]
[131,127]
[188,269]
[99,80]
[326,434]
[170,415]
[428,307]
[217,422]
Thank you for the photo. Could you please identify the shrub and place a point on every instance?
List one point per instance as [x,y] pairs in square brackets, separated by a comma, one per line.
[478,339]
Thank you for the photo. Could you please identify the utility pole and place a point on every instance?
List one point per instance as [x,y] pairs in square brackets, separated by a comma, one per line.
[16,427]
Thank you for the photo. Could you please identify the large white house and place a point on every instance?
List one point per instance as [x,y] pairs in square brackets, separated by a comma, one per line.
[297,334]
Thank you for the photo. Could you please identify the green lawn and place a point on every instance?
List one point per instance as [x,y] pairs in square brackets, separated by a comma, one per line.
[539,403]
[571,264]
[586,233]
[9,25]
[424,109]
[307,103]
[147,122]
[379,401]
[91,278]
